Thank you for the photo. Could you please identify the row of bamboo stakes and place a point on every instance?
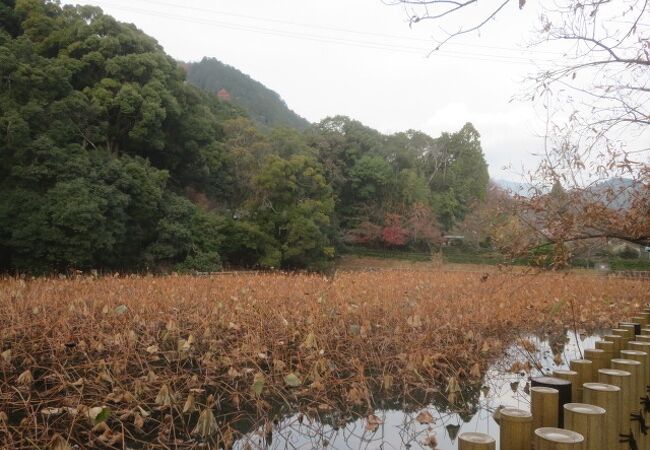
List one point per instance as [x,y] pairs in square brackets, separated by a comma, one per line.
[600,403]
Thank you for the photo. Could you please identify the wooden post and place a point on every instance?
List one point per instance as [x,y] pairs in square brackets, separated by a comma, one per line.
[634,327]
[643,337]
[583,367]
[589,421]
[572,377]
[641,319]
[622,379]
[638,387]
[558,439]
[647,317]
[643,347]
[642,356]
[545,406]
[627,335]
[562,386]
[516,429]
[598,361]
[608,397]
[476,441]
[634,369]
[645,331]
[618,343]
[608,348]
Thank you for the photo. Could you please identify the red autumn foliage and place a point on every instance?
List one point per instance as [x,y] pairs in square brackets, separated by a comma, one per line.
[394,234]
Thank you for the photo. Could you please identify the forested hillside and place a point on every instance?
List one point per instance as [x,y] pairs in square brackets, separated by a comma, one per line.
[110,160]
[263,105]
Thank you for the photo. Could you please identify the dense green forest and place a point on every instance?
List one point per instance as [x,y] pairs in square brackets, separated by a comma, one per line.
[261,104]
[109,159]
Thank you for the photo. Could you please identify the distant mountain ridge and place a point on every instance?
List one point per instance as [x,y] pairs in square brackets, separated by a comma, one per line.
[616,193]
[263,105]
[515,187]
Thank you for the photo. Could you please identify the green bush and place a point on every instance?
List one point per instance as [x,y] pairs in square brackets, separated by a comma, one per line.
[201,262]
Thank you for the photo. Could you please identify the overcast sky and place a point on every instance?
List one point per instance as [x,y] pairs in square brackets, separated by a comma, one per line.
[360,58]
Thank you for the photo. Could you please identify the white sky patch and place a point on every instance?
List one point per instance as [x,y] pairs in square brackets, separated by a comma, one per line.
[360,58]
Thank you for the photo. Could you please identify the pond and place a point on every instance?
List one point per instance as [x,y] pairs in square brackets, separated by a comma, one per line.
[438,423]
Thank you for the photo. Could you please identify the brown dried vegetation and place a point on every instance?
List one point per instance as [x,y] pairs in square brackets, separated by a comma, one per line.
[175,361]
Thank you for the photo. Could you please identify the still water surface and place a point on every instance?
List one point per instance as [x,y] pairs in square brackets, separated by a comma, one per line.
[400,428]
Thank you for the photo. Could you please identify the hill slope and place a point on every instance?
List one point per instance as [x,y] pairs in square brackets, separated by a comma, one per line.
[263,105]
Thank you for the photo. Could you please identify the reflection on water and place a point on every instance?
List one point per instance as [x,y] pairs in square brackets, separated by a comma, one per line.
[399,426]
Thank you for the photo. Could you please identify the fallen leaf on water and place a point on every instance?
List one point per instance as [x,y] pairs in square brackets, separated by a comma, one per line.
[424,417]
[373,422]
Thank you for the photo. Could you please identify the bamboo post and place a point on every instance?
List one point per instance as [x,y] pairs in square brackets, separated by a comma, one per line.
[545,406]
[643,337]
[588,420]
[558,439]
[641,320]
[516,429]
[618,343]
[639,375]
[608,397]
[634,369]
[643,347]
[642,358]
[645,331]
[583,367]
[476,441]
[634,327]
[572,377]
[622,379]
[598,361]
[626,334]
[562,386]
[646,315]
[608,348]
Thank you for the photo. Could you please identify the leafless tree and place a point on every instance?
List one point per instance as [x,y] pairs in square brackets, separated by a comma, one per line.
[596,98]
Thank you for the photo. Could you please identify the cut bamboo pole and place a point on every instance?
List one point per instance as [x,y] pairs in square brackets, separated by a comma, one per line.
[627,335]
[617,341]
[598,361]
[608,348]
[572,377]
[634,369]
[476,441]
[608,397]
[639,375]
[622,379]
[515,430]
[545,406]
[643,347]
[583,367]
[588,420]
[634,327]
[642,358]
[647,317]
[561,385]
[558,439]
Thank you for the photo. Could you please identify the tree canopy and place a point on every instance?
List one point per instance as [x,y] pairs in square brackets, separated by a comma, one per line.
[111,160]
